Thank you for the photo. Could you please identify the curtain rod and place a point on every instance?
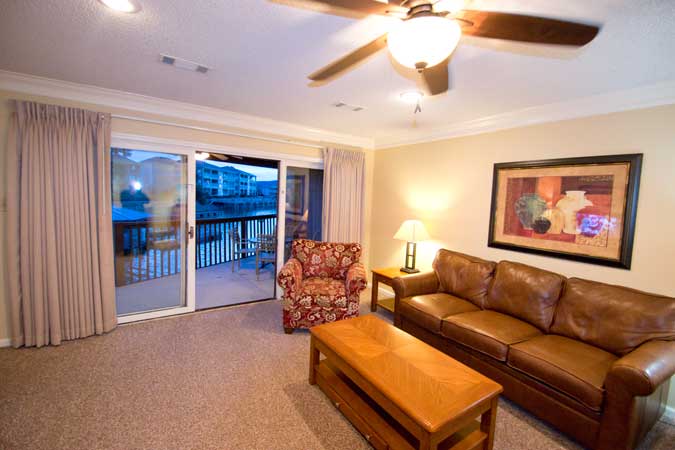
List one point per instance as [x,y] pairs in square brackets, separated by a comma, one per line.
[213,130]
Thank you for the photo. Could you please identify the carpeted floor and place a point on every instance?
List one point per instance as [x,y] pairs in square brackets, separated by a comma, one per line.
[222,379]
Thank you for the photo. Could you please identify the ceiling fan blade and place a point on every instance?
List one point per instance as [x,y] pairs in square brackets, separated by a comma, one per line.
[516,27]
[338,67]
[434,80]
[354,6]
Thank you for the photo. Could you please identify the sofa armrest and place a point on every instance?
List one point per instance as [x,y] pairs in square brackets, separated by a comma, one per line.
[418,284]
[645,368]
[290,276]
[355,280]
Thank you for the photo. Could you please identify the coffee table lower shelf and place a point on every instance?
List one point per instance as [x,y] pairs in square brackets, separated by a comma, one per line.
[380,429]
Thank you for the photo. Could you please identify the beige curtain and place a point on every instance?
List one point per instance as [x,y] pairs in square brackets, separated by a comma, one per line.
[61,277]
[343,195]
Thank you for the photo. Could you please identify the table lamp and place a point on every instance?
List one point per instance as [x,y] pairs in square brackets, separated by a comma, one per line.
[411,231]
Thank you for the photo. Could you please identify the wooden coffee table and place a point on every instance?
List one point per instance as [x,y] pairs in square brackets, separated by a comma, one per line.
[399,392]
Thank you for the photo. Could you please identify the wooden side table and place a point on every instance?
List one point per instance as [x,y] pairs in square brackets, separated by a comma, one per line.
[384,276]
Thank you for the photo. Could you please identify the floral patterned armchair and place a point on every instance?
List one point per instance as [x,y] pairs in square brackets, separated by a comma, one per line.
[322,282]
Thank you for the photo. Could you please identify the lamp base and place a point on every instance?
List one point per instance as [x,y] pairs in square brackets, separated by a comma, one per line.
[406,270]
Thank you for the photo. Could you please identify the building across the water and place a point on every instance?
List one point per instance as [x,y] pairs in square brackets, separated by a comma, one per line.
[225,181]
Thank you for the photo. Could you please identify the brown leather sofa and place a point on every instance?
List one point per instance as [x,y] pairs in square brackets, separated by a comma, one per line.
[592,359]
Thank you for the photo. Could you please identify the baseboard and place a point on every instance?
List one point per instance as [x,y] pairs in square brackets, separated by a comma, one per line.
[5,343]
[669,415]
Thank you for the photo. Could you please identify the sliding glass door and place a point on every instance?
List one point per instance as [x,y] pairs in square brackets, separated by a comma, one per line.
[151,230]
[195,229]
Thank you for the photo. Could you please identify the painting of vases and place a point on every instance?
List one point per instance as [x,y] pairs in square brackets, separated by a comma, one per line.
[580,208]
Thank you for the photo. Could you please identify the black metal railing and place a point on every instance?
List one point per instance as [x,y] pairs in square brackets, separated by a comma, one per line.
[148,249]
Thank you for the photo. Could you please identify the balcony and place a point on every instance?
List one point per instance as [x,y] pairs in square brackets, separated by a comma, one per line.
[148,263]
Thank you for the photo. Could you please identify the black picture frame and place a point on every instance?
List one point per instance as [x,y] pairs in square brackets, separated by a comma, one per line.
[630,207]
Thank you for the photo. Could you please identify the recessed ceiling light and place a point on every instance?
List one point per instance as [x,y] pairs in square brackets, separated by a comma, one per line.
[127,6]
[202,156]
[412,97]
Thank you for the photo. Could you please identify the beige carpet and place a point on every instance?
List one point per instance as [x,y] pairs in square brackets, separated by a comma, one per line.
[223,379]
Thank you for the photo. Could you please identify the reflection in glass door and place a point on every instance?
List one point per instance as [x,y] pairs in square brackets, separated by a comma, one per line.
[149,213]
[304,205]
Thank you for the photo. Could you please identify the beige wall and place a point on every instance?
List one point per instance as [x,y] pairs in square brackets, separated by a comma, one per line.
[153,130]
[447,185]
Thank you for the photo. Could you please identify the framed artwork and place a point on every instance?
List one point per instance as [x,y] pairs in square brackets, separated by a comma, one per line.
[295,194]
[575,208]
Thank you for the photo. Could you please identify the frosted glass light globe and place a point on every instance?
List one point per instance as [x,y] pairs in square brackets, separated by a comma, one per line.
[423,41]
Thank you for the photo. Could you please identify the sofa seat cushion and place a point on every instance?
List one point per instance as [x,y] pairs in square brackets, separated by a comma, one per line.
[488,332]
[323,292]
[572,367]
[429,310]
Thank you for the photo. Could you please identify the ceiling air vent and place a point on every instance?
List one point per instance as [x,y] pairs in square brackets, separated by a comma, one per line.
[183,63]
[343,105]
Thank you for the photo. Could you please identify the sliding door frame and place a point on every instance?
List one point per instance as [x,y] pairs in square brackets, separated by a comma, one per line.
[189,148]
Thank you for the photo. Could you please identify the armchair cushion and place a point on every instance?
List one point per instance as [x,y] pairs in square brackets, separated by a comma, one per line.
[324,292]
[325,259]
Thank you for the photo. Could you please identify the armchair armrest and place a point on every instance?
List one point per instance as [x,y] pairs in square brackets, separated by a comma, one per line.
[355,279]
[418,284]
[645,368]
[290,276]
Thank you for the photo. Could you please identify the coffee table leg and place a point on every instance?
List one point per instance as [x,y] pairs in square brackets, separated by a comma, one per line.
[487,423]
[427,442]
[373,294]
[313,360]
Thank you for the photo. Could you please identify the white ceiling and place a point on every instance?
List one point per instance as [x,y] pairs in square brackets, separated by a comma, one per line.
[261,52]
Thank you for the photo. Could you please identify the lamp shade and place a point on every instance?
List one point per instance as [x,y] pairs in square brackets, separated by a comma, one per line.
[412,231]
[423,41]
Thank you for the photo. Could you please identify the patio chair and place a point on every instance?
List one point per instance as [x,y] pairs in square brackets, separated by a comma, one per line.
[239,247]
[322,282]
[265,252]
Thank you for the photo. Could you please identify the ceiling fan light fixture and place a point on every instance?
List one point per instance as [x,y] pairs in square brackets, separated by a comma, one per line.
[423,42]
[126,6]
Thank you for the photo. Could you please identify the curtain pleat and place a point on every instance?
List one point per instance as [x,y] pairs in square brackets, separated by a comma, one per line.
[343,195]
[61,277]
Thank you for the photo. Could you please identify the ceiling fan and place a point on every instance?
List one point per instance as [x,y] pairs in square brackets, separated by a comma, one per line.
[430,30]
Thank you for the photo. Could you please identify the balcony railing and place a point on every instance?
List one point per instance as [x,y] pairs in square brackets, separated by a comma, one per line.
[149,249]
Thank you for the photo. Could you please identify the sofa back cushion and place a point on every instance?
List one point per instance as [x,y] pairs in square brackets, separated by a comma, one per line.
[325,259]
[525,292]
[463,276]
[615,318]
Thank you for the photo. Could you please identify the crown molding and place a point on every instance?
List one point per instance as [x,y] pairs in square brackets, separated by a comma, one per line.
[637,98]
[64,90]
